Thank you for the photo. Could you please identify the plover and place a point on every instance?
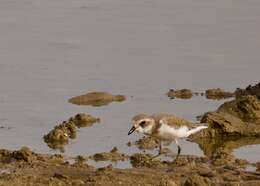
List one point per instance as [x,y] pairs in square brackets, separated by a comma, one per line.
[165,127]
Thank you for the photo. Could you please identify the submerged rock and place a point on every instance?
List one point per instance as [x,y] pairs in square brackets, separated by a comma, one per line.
[96,99]
[113,155]
[83,120]
[218,93]
[250,90]
[182,93]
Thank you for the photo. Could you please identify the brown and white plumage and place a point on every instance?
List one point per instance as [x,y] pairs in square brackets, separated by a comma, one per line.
[164,127]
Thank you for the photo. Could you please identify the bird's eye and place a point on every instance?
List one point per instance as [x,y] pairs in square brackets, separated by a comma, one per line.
[142,124]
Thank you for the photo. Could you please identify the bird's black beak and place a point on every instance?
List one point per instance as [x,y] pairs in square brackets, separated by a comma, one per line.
[131,130]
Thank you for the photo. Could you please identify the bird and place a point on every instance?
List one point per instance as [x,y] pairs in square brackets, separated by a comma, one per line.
[165,127]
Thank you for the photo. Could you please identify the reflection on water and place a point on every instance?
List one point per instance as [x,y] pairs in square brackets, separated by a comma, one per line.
[220,150]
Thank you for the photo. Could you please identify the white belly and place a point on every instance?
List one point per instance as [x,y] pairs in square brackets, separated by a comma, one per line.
[170,133]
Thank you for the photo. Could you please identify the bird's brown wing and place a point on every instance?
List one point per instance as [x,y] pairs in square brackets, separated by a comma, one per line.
[173,120]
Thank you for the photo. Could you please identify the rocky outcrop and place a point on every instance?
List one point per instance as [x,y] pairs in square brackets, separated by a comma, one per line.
[239,117]
[250,90]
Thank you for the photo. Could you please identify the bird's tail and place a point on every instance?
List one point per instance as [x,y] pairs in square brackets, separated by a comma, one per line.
[197,129]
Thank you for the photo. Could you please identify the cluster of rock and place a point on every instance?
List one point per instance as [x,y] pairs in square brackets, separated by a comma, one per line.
[215,93]
[60,135]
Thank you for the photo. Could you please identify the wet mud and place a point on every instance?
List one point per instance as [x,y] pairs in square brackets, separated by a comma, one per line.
[24,167]
[96,99]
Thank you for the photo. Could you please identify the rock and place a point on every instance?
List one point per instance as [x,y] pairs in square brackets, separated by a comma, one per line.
[250,90]
[96,99]
[83,120]
[205,170]
[196,180]
[80,159]
[258,166]
[182,94]
[246,108]
[61,133]
[24,154]
[218,93]
[239,117]
[147,143]
[145,160]
[60,176]
[106,168]
[234,124]
[166,181]
[113,155]
[58,137]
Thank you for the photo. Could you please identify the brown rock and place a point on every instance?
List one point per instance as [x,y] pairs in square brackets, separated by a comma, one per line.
[250,90]
[182,94]
[58,137]
[83,120]
[113,155]
[218,93]
[96,99]
[196,180]
[239,117]
[146,143]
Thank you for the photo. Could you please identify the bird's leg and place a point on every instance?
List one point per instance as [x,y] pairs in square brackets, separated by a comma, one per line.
[160,148]
[160,152]
[179,151]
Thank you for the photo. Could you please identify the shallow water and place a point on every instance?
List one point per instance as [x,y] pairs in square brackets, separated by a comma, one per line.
[51,51]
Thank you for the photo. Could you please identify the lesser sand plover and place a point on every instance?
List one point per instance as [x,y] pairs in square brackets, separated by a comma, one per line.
[164,127]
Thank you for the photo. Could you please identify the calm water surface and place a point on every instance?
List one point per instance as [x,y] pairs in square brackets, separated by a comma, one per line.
[51,50]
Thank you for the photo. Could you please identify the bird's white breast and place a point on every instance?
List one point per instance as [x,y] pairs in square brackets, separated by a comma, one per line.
[171,133]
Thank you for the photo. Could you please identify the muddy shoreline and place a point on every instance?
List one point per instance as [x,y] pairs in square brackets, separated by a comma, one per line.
[24,167]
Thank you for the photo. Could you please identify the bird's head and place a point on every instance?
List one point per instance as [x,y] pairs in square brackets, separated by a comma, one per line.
[142,123]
